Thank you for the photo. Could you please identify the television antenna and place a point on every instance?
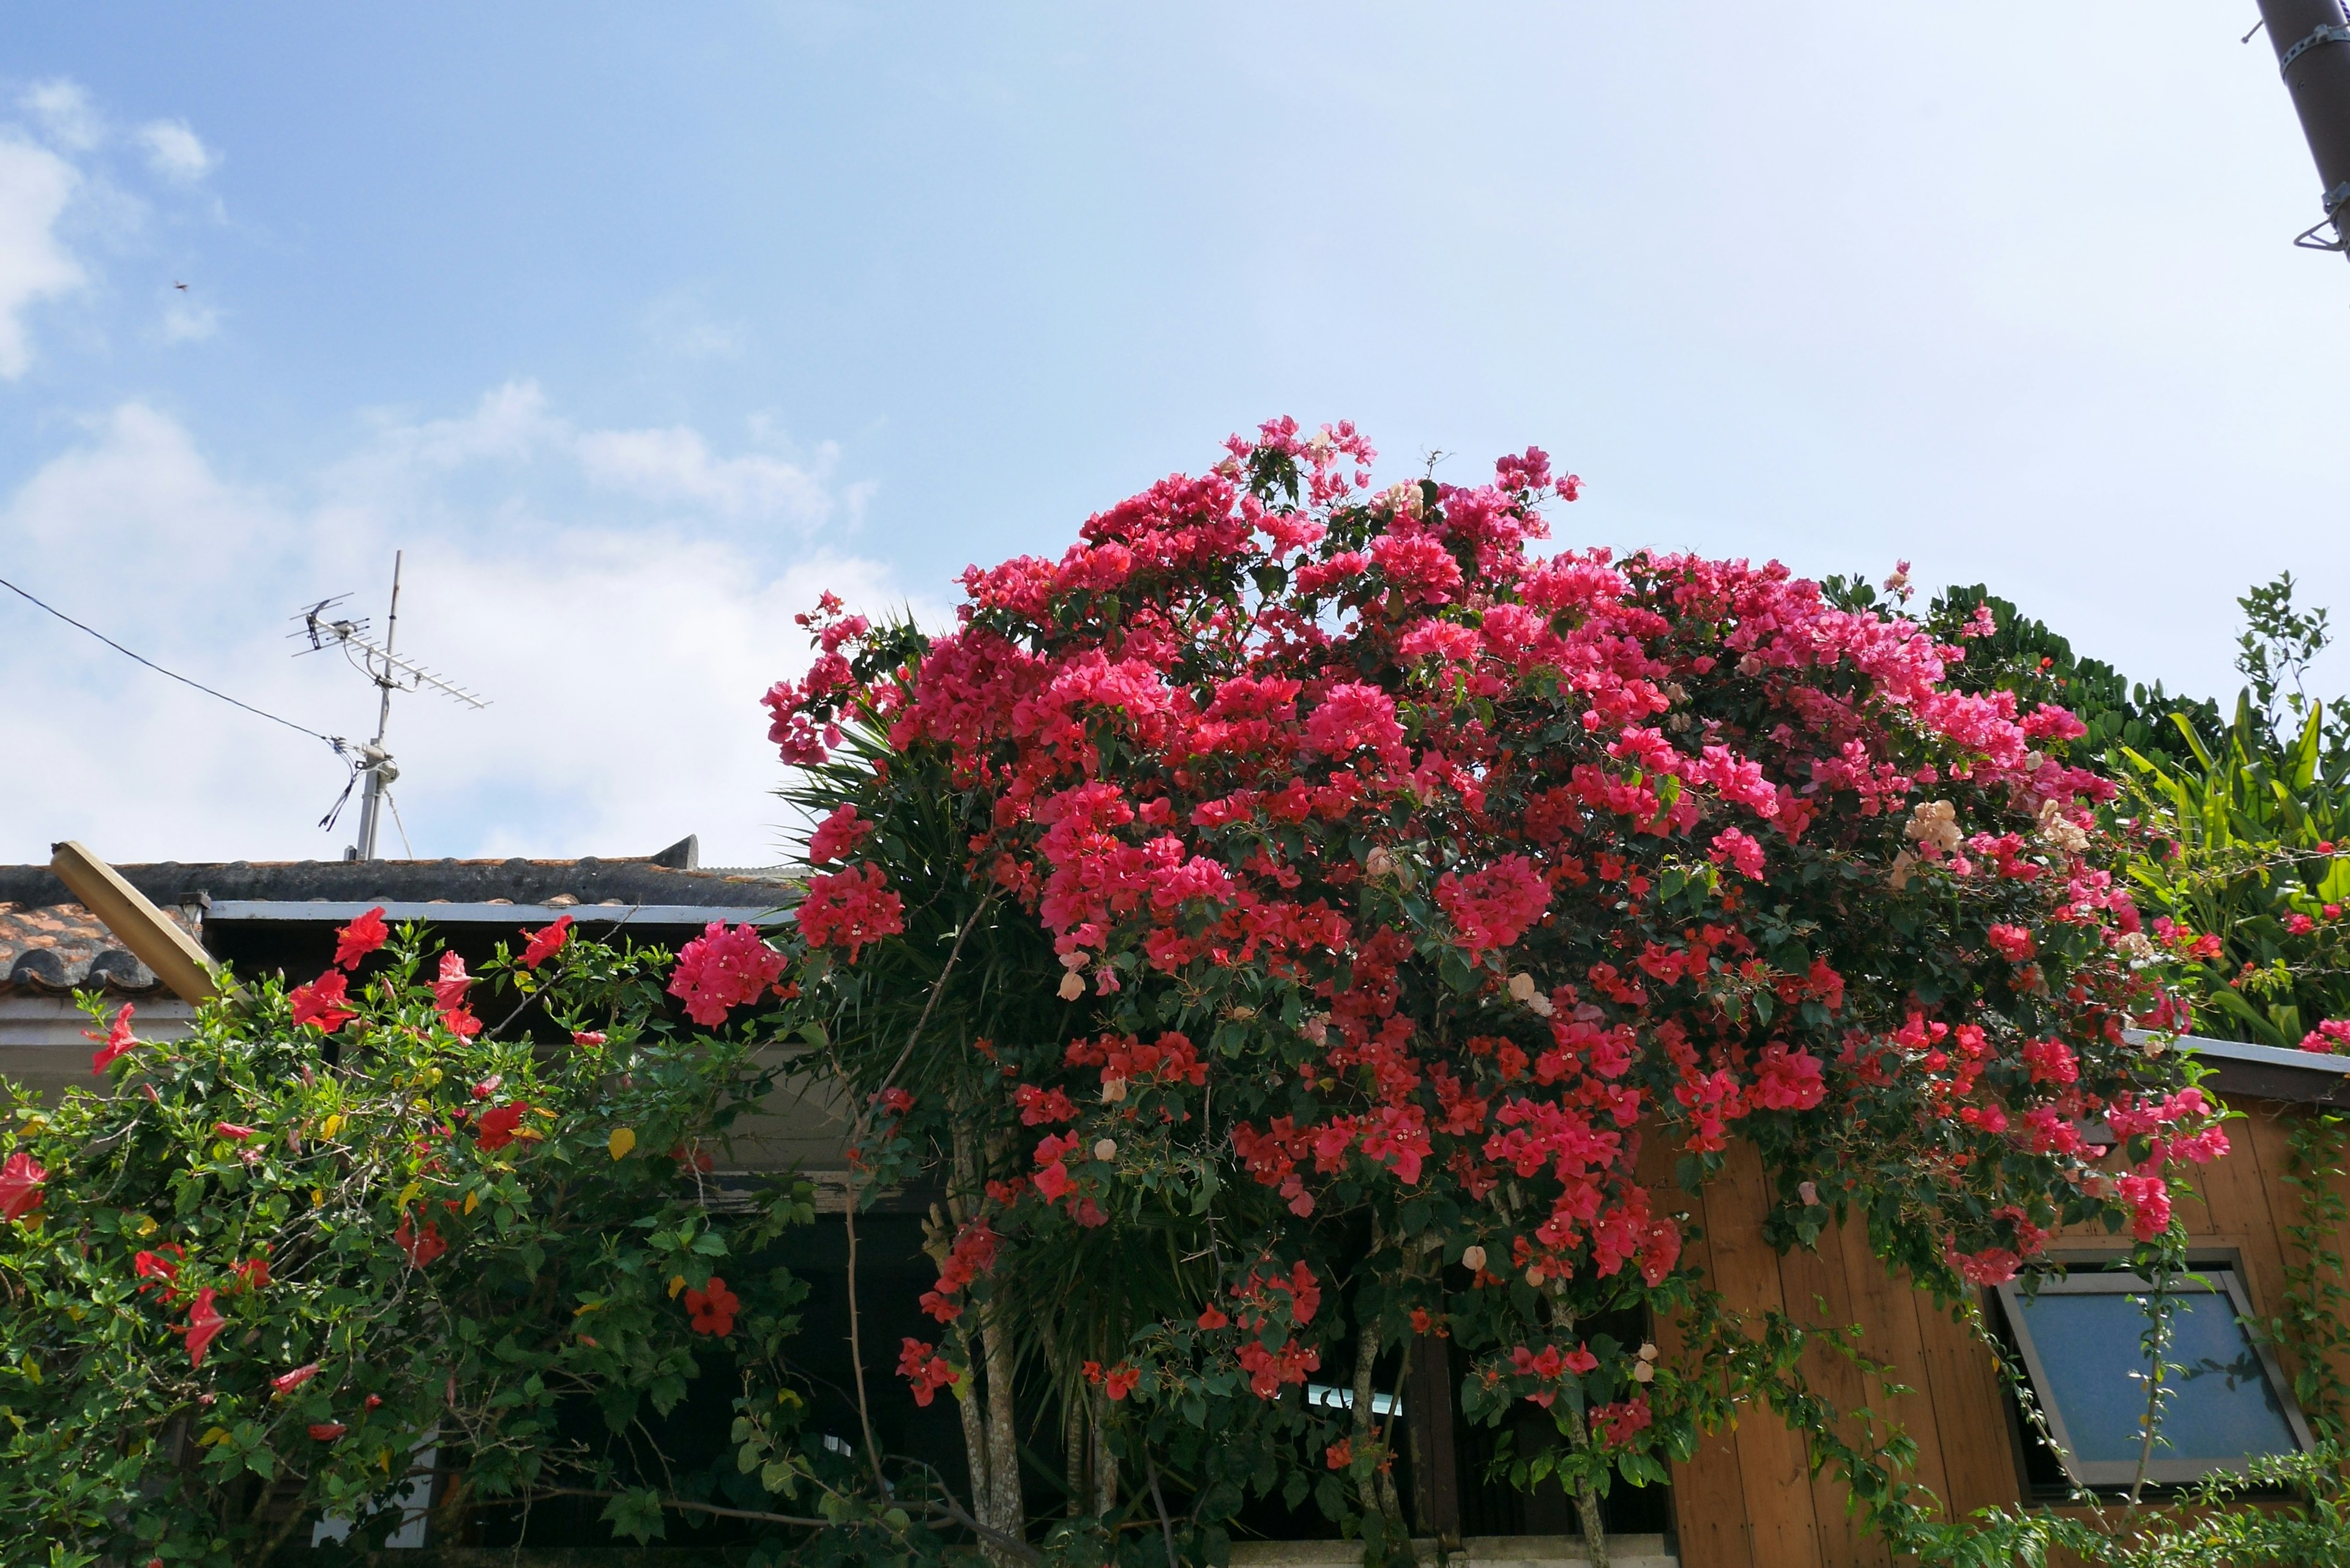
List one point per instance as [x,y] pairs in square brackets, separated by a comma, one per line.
[390,673]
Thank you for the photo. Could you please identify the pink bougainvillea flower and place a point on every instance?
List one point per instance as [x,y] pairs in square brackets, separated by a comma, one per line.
[205,1323]
[326,1431]
[850,909]
[322,1003]
[837,836]
[712,1310]
[421,1243]
[286,1382]
[546,943]
[360,938]
[119,1041]
[724,968]
[496,1126]
[2011,942]
[235,1132]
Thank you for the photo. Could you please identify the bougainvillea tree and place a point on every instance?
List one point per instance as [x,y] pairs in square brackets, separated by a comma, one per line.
[1287,922]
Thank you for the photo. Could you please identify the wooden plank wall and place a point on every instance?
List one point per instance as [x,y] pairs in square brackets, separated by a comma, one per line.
[1746,1500]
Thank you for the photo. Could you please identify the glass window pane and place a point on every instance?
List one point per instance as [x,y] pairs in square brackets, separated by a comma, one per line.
[2221,1408]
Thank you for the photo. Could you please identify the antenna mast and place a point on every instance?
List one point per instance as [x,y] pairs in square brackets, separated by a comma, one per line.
[391,673]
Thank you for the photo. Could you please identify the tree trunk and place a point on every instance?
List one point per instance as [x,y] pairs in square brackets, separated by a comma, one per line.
[1105,1462]
[1379,1492]
[1586,1499]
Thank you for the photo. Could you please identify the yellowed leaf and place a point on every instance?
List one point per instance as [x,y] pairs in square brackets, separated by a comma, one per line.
[622,1140]
[676,1283]
[472,1202]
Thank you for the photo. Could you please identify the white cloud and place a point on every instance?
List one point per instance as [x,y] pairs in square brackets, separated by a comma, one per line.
[185,323]
[35,184]
[175,152]
[63,109]
[676,465]
[624,661]
[672,466]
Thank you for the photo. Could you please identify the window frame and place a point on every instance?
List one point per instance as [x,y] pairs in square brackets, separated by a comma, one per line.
[2104,1273]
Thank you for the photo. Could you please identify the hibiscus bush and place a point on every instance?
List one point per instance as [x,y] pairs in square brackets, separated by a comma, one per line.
[1283,924]
[396,1221]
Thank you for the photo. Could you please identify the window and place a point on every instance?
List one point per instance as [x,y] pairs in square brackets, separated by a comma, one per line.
[2082,1342]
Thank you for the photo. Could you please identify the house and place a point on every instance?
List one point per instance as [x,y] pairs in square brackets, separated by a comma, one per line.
[281,917]
[1747,1500]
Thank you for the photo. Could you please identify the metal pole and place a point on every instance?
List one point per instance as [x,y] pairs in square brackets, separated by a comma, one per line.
[2311,39]
[371,802]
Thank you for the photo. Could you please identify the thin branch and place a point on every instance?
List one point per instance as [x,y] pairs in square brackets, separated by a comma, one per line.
[1166,1525]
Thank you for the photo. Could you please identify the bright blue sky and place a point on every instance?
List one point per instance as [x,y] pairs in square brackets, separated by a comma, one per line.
[636,325]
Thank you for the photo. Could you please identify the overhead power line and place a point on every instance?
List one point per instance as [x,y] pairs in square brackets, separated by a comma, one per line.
[304,729]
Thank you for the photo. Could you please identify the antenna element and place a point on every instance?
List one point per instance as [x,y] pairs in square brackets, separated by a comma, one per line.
[390,673]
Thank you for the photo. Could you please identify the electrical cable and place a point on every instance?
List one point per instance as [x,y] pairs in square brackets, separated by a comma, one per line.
[337,743]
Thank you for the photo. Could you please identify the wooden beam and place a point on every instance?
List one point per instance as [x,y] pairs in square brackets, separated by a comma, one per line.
[140,925]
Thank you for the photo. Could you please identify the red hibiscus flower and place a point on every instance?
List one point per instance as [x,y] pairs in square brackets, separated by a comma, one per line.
[205,1323]
[360,938]
[322,1001]
[421,1245]
[253,1274]
[20,1185]
[231,1131]
[546,943]
[449,989]
[118,1041]
[326,1431]
[496,1126]
[714,1309]
[286,1382]
[156,1272]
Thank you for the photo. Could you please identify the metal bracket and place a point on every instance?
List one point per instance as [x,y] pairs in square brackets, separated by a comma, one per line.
[2334,201]
[2327,33]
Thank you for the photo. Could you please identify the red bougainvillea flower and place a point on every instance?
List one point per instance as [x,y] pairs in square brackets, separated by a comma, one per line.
[724,968]
[286,1382]
[118,1041]
[1119,1380]
[422,1243]
[496,1127]
[546,943]
[850,908]
[837,836]
[1341,1454]
[360,938]
[235,1132]
[205,1323]
[326,1431]
[322,1001]
[714,1309]
[920,1365]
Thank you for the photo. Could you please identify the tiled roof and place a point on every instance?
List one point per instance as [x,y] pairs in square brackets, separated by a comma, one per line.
[61,947]
[50,944]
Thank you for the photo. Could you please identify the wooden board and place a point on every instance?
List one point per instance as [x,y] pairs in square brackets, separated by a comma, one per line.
[1772,1461]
